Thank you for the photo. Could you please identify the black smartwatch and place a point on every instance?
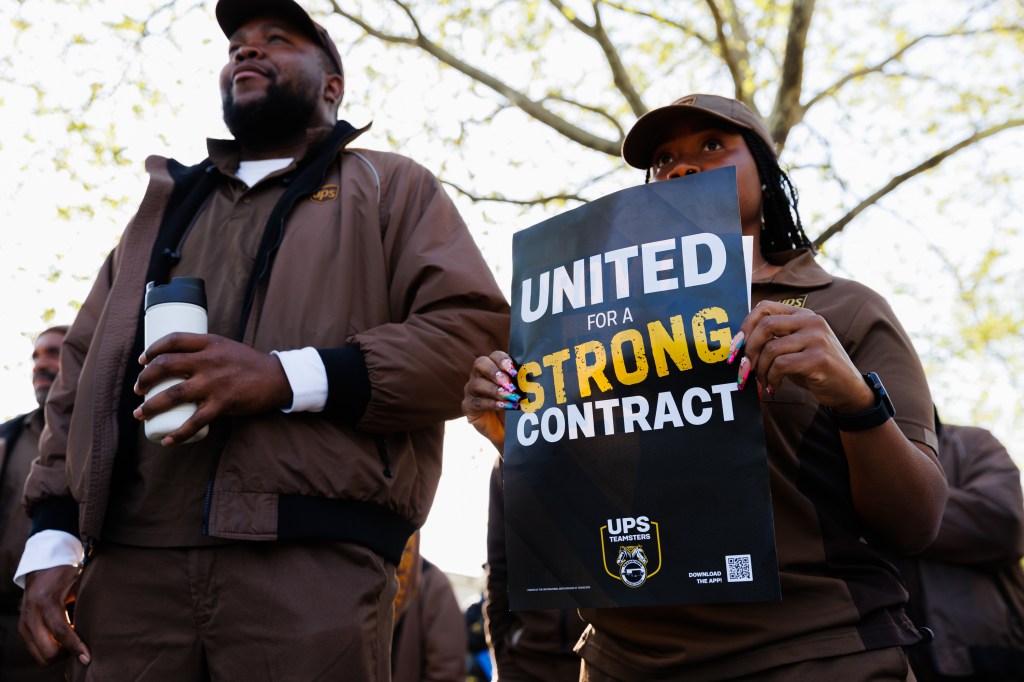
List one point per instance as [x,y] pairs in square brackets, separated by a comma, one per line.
[882,412]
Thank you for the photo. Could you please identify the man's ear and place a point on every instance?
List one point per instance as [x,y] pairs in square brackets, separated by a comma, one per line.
[334,88]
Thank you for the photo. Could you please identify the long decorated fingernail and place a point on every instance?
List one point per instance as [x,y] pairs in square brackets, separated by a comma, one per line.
[741,381]
[508,405]
[509,368]
[505,382]
[510,395]
[734,347]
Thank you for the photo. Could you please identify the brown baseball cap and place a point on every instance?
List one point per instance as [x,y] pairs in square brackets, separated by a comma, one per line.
[640,142]
[231,14]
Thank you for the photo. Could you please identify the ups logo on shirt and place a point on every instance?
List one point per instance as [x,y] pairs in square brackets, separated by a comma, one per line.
[796,301]
[325,194]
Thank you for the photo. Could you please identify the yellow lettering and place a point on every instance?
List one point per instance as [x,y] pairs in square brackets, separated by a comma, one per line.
[530,369]
[555,361]
[622,373]
[674,346]
[669,347]
[721,335]
[585,372]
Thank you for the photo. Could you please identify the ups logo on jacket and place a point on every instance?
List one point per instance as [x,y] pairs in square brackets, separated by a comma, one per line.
[325,194]
[796,301]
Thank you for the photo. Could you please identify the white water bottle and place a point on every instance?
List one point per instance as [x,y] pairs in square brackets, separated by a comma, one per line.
[176,307]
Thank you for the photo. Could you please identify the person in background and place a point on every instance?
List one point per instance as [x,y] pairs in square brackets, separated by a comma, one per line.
[344,293]
[430,634]
[968,586]
[19,445]
[854,478]
[479,663]
[528,646]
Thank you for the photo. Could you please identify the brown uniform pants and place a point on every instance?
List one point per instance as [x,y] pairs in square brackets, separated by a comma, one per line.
[252,611]
[524,667]
[880,665]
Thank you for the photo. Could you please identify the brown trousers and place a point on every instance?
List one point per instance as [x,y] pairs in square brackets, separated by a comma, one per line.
[880,665]
[252,611]
[524,667]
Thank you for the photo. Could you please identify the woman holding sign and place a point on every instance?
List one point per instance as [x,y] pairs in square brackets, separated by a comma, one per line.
[854,477]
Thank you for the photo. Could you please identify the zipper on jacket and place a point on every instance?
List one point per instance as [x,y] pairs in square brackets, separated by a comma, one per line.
[208,495]
[90,550]
[250,297]
[382,452]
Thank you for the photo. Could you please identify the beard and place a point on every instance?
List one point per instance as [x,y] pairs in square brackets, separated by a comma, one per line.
[41,393]
[282,113]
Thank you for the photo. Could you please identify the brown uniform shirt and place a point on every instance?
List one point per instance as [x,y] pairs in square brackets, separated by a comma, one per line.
[840,592]
[157,499]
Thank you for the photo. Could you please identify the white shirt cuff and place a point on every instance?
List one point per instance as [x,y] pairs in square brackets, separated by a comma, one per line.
[48,549]
[307,376]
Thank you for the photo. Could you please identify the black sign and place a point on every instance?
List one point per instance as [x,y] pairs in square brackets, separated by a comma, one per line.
[635,473]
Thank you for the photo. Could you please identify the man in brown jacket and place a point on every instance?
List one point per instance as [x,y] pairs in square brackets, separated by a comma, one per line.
[19,445]
[344,293]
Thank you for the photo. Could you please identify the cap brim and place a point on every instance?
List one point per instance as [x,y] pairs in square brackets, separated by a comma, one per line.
[640,142]
[232,14]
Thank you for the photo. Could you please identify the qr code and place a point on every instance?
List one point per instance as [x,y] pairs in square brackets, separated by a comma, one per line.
[738,568]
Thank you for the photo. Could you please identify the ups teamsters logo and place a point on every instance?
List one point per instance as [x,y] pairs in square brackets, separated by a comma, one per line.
[633,544]
[325,194]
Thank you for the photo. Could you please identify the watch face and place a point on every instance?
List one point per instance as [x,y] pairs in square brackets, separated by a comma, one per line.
[876,385]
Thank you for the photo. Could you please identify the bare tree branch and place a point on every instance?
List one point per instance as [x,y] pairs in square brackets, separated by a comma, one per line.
[837,227]
[530,107]
[592,109]
[734,60]
[611,54]
[787,111]
[877,67]
[496,198]
[662,19]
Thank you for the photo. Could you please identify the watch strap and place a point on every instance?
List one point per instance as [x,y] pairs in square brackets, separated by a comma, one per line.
[881,412]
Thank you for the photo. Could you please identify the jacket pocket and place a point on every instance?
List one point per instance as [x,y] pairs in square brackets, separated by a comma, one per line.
[385,459]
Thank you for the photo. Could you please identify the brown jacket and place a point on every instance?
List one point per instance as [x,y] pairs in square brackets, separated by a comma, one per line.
[368,253]
[968,586]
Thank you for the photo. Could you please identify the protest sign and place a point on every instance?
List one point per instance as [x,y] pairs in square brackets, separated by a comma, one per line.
[635,473]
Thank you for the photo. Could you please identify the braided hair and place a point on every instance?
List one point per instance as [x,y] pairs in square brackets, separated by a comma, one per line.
[781,228]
